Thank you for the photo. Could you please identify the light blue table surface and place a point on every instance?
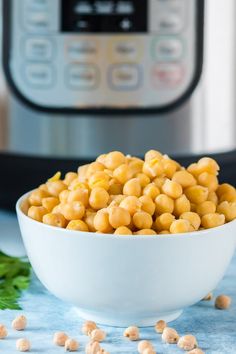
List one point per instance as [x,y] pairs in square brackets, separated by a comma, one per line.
[215,330]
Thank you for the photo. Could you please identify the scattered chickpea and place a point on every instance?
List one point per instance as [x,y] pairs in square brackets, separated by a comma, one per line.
[223,302]
[208,297]
[19,323]
[88,327]
[182,205]
[196,351]
[143,345]
[92,348]
[119,217]
[170,335]
[23,345]
[71,345]
[180,226]
[78,225]
[132,333]
[212,220]
[54,219]
[60,338]
[3,331]
[160,326]
[187,342]
[97,335]
[123,230]
[142,220]
[172,189]
[37,213]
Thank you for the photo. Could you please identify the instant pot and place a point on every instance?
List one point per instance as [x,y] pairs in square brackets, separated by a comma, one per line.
[91,76]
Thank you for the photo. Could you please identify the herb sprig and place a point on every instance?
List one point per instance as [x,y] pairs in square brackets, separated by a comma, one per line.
[14,278]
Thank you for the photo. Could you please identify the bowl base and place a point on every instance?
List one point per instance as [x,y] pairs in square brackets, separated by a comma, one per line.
[116,321]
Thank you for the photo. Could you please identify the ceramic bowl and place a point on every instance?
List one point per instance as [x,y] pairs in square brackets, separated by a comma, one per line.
[120,281]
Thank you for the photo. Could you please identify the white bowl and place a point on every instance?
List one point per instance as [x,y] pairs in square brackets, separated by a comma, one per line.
[121,281]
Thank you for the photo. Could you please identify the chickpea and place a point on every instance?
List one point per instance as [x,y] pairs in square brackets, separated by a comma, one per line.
[212,197]
[208,180]
[115,188]
[57,220]
[101,159]
[114,159]
[73,210]
[82,173]
[132,333]
[119,217]
[184,178]
[196,194]
[223,302]
[153,168]
[164,232]
[136,166]
[93,168]
[92,348]
[147,204]
[193,169]
[131,204]
[37,196]
[224,189]
[142,220]
[76,184]
[98,335]
[88,327]
[196,351]
[159,181]
[193,218]
[49,203]
[89,220]
[153,154]
[56,187]
[164,204]
[78,225]
[99,179]
[98,198]
[207,164]
[160,326]
[170,167]
[182,205]
[63,196]
[19,323]
[228,197]
[170,335]
[179,226]
[37,213]
[206,207]
[123,173]
[228,209]
[164,221]
[3,331]
[208,297]
[23,345]
[123,230]
[144,180]
[187,342]
[101,221]
[144,232]
[71,345]
[212,220]
[151,190]
[69,177]
[79,195]
[172,189]
[25,205]
[132,188]
[143,345]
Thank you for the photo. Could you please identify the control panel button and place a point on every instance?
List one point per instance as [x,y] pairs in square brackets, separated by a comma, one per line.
[79,50]
[167,75]
[170,49]
[82,76]
[40,49]
[39,75]
[169,23]
[124,77]
[126,49]
[36,4]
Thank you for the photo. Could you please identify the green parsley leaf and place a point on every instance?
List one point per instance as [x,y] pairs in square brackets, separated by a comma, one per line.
[14,278]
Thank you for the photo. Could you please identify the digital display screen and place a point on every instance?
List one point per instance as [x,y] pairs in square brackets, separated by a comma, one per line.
[104,16]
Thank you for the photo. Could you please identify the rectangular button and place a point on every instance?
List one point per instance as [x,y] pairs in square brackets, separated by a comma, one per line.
[40,49]
[79,50]
[124,77]
[39,75]
[167,49]
[82,76]
[167,75]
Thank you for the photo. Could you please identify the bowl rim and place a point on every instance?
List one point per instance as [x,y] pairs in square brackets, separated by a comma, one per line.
[188,235]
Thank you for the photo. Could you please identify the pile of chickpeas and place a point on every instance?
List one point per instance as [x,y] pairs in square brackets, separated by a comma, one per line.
[126,195]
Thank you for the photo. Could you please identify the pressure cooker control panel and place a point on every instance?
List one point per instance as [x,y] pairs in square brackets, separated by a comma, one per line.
[103,54]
